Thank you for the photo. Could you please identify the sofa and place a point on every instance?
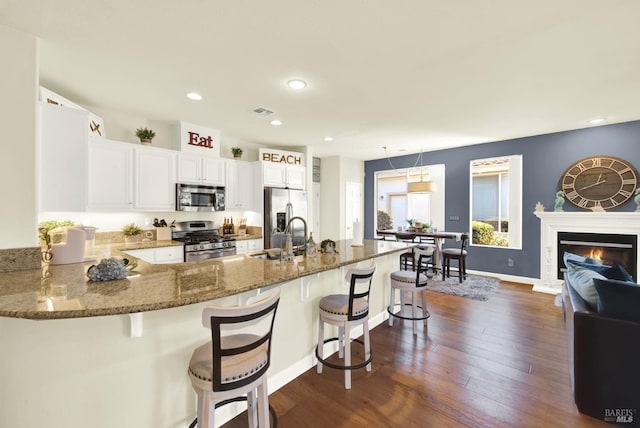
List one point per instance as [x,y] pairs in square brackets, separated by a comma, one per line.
[603,345]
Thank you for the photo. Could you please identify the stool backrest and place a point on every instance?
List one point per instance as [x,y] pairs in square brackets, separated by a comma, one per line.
[427,240]
[359,287]
[405,237]
[252,325]
[423,257]
[465,241]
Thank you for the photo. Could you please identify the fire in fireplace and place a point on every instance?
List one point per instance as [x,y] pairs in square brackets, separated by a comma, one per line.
[609,248]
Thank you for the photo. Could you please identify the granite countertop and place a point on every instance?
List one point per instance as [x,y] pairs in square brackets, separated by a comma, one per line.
[64,291]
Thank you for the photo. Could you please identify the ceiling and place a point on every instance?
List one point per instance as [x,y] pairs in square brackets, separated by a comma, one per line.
[408,75]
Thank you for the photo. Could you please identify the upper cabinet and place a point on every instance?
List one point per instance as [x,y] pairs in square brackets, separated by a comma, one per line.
[240,185]
[124,177]
[63,158]
[201,170]
[110,176]
[281,175]
[155,179]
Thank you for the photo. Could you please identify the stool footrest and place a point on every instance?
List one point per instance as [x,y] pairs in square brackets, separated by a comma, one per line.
[408,318]
[272,412]
[343,367]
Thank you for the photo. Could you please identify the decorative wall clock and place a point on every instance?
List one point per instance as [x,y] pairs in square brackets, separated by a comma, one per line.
[599,182]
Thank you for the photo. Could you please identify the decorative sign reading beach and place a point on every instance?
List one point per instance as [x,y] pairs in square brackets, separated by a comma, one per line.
[281,157]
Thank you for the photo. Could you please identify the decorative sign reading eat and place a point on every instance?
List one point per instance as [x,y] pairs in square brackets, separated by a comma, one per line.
[280,156]
[197,139]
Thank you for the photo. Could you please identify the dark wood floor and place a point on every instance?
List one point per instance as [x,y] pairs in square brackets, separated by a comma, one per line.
[500,363]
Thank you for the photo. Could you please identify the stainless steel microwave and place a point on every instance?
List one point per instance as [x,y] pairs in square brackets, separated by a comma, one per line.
[194,197]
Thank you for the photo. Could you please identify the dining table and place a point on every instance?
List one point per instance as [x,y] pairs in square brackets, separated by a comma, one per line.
[438,237]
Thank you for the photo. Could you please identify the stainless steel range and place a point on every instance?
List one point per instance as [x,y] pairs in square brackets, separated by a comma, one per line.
[202,241]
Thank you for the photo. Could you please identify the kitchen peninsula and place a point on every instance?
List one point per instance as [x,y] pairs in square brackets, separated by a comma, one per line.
[78,365]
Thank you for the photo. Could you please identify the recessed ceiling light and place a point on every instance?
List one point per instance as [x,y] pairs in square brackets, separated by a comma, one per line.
[194,96]
[297,84]
[328,138]
[597,120]
[276,122]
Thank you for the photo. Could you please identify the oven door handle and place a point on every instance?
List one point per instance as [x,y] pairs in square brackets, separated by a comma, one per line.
[206,252]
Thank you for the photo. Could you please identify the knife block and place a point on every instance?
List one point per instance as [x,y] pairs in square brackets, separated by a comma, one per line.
[163,234]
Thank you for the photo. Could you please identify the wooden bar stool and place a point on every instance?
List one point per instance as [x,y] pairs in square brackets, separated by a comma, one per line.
[232,365]
[347,311]
[459,254]
[415,283]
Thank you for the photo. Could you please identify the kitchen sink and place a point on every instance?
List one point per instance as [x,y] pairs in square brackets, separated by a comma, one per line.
[270,254]
[263,256]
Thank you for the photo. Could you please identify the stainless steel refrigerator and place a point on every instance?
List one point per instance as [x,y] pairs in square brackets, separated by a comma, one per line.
[280,205]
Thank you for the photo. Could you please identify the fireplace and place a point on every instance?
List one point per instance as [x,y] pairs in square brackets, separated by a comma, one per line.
[552,223]
[610,248]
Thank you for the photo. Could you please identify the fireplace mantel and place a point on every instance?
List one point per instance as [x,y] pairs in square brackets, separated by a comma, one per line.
[552,222]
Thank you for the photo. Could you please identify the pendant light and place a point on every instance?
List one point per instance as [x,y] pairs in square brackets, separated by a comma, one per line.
[422,186]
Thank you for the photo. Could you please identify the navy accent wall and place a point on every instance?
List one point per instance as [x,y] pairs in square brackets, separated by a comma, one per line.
[544,159]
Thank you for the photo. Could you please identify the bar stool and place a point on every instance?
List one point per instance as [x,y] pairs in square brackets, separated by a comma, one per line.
[347,311]
[459,254]
[407,259]
[426,242]
[415,283]
[232,365]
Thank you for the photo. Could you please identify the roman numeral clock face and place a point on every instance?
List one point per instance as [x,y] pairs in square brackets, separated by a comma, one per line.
[599,182]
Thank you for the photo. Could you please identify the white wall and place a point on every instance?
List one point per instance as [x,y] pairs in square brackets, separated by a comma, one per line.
[18,116]
[335,173]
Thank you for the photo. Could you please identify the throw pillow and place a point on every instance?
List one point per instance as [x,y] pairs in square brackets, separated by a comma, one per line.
[618,299]
[610,272]
[618,272]
[567,257]
[582,280]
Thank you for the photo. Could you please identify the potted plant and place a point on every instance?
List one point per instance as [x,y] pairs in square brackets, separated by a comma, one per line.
[46,226]
[410,221]
[145,135]
[237,152]
[131,232]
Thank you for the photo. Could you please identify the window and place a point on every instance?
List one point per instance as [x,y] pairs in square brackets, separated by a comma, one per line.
[394,205]
[496,201]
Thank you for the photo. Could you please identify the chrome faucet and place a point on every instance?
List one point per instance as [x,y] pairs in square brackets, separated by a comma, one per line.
[289,230]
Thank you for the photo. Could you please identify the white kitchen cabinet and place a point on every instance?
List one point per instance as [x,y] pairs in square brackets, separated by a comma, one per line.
[174,254]
[296,176]
[126,177]
[239,190]
[241,247]
[154,179]
[279,175]
[249,245]
[255,245]
[201,170]
[110,176]
[63,158]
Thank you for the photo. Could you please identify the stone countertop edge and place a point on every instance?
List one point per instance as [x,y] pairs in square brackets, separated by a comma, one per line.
[63,291]
[142,245]
[246,237]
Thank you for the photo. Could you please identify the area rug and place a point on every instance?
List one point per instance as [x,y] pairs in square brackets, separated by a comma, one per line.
[474,287]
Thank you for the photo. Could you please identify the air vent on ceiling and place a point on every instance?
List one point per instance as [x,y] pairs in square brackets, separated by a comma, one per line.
[263,112]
